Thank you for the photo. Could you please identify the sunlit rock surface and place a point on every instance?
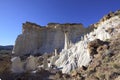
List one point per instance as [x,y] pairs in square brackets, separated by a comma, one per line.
[74,51]
[38,39]
[78,55]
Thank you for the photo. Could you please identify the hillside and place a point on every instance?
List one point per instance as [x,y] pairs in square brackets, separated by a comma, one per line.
[80,54]
[104,66]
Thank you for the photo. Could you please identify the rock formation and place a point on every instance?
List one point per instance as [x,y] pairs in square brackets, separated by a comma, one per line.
[67,42]
[38,39]
[54,58]
[96,46]
[17,65]
[96,56]
[78,55]
[31,63]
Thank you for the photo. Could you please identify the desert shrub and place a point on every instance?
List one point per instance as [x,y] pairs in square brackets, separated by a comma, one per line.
[106,59]
[4,66]
[4,63]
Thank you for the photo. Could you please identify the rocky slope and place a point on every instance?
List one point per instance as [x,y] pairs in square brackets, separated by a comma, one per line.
[105,65]
[79,54]
[38,39]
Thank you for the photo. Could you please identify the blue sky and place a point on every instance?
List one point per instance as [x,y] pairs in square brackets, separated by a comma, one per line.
[15,12]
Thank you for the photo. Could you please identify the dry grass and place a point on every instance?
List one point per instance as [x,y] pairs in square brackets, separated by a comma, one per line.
[4,63]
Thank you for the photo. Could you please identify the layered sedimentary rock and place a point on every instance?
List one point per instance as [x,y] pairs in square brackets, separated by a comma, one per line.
[39,39]
[78,55]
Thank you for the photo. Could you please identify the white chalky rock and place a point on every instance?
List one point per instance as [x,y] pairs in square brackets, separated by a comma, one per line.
[67,42]
[78,54]
[54,58]
[17,65]
[38,39]
[31,63]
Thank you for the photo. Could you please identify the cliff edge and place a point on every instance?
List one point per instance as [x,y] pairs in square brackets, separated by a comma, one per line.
[36,39]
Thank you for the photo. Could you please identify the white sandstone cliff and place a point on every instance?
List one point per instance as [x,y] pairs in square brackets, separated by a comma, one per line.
[36,39]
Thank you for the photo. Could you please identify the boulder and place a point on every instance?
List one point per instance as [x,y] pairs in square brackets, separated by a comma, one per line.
[31,63]
[95,43]
[17,65]
[93,46]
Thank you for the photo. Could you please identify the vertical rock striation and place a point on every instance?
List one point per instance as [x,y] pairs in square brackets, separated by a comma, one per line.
[38,39]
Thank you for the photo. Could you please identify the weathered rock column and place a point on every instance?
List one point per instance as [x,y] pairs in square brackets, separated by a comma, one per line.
[54,58]
[66,44]
[56,52]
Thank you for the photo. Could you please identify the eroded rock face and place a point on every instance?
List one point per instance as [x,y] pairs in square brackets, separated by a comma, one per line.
[78,55]
[37,39]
